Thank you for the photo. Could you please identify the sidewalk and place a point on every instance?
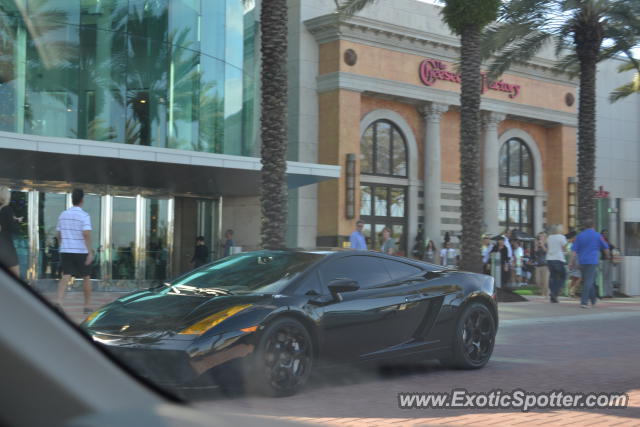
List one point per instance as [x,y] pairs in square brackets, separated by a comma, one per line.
[73,304]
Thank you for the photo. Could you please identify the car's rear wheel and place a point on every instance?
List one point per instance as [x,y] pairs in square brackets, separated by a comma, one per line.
[283,359]
[474,338]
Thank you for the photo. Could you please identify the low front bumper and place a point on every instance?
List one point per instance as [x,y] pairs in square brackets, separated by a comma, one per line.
[181,361]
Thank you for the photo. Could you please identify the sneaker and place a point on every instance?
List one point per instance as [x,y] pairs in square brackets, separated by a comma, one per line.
[584,306]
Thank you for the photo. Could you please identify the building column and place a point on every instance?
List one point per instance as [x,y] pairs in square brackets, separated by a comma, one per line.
[491,178]
[432,113]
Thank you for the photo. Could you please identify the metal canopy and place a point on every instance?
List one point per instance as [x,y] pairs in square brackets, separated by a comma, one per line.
[27,157]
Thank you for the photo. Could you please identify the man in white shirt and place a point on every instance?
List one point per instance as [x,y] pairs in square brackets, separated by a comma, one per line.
[448,256]
[76,255]
[556,244]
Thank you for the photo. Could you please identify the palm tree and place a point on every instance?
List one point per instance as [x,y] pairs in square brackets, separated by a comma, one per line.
[578,29]
[273,122]
[467,19]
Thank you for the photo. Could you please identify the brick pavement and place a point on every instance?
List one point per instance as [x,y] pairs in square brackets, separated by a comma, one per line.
[539,347]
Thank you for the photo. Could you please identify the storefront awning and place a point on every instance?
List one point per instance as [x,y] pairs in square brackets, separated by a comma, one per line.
[29,157]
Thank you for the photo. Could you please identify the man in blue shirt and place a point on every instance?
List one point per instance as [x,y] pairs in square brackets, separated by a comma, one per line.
[357,239]
[587,247]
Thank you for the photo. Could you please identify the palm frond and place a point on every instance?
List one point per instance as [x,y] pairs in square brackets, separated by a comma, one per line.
[626,90]
[568,64]
[518,51]
[497,36]
[629,65]
[524,10]
[349,7]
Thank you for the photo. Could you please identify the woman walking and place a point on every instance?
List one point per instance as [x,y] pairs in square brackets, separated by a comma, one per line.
[556,244]
[430,252]
[8,226]
[540,257]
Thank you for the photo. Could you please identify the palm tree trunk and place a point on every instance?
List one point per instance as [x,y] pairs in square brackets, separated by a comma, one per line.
[273,123]
[588,39]
[472,208]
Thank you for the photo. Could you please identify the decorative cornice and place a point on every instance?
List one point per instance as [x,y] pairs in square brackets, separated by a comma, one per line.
[419,94]
[385,35]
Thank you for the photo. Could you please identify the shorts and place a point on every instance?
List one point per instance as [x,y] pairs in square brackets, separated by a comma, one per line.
[518,271]
[575,273]
[74,265]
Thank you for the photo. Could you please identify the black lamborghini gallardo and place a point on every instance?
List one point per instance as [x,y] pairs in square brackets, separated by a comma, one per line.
[270,316]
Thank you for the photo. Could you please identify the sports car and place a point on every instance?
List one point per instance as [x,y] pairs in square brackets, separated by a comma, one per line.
[269,317]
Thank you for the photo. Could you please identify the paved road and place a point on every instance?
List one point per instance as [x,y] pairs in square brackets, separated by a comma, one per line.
[539,347]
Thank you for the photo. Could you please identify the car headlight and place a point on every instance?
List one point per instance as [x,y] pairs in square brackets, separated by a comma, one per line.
[210,321]
[92,317]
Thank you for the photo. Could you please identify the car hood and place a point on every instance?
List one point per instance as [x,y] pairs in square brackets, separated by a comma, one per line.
[163,312]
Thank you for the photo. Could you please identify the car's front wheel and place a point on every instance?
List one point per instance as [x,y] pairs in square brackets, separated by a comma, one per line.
[474,337]
[283,358]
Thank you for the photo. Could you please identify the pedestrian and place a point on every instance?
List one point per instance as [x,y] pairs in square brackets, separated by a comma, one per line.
[507,241]
[418,246]
[388,242]
[556,261]
[540,262]
[575,277]
[76,255]
[505,260]
[606,262]
[200,253]
[228,243]
[449,256]
[357,239]
[587,248]
[430,252]
[518,255]
[487,247]
[54,257]
[8,227]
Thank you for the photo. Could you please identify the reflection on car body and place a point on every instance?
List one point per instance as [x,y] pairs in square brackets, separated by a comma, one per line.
[268,317]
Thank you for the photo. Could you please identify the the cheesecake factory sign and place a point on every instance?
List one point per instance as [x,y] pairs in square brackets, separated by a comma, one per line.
[432,70]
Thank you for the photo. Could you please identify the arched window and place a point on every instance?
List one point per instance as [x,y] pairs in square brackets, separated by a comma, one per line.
[515,211]
[383,189]
[516,165]
[383,150]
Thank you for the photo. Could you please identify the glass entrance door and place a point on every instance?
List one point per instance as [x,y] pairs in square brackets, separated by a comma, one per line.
[93,206]
[156,235]
[50,206]
[20,206]
[123,238]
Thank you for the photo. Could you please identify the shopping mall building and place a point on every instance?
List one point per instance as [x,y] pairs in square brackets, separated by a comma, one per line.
[152,107]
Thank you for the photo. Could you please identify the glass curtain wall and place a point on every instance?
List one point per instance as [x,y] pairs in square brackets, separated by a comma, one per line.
[164,73]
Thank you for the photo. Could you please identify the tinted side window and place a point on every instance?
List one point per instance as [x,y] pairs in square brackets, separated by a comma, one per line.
[310,284]
[366,270]
[399,270]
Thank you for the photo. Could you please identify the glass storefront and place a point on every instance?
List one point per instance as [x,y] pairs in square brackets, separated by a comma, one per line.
[164,73]
[132,235]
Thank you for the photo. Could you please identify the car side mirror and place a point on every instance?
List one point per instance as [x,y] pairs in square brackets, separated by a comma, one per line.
[338,286]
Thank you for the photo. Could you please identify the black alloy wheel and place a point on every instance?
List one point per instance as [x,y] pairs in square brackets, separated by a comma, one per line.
[475,337]
[283,359]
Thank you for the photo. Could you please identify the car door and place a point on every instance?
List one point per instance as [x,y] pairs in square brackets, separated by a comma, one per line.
[368,320]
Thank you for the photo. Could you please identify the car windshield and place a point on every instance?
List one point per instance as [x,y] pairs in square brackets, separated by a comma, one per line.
[259,272]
